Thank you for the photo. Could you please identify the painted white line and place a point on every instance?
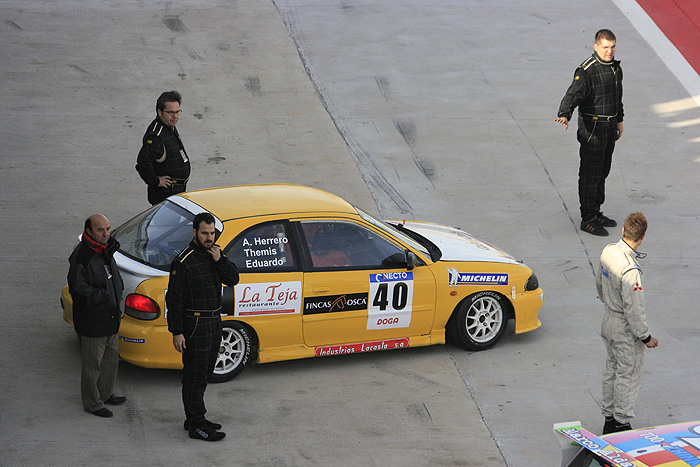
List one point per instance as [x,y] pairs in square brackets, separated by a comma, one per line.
[663,47]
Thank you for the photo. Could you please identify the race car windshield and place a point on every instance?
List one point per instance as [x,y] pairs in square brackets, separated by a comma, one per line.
[404,237]
[156,236]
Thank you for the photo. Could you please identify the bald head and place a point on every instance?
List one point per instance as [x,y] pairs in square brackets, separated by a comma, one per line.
[97,226]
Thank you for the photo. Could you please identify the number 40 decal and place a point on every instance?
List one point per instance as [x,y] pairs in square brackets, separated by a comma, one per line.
[391,300]
[399,296]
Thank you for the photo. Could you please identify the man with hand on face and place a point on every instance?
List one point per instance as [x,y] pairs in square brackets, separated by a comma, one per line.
[162,162]
[194,318]
[597,92]
[95,286]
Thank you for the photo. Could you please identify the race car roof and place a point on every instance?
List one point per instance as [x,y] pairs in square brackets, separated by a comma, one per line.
[266,199]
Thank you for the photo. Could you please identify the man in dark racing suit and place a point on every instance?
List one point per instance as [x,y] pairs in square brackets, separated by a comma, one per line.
[162,162]
[194,319]
[597,92]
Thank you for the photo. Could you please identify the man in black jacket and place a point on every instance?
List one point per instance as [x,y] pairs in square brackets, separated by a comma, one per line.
[597,92]
[162,162]
[194,318]
[96,287]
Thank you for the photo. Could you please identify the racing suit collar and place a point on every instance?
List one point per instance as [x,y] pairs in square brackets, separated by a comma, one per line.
[625,246]
[603,62]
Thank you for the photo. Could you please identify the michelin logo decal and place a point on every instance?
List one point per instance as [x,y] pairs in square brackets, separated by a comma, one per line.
[461,278]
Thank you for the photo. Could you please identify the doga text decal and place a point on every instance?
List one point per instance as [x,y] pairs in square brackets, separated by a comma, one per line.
[401,343]
[462,278]
[268,298]
[333,303]
[391,300]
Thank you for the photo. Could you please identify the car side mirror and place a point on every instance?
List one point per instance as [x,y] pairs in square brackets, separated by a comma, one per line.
[411,260]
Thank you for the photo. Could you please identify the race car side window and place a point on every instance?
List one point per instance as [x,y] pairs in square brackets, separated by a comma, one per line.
[345,245]
[263,248]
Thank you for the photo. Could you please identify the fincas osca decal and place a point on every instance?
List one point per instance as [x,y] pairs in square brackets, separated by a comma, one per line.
[389,344]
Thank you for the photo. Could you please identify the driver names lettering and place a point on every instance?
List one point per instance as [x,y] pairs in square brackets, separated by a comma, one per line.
[264,252]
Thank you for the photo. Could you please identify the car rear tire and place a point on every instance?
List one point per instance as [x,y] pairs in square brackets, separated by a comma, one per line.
[479,321]
[235,352]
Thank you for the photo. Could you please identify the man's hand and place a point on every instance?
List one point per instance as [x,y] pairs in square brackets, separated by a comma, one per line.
[179,342]
[620,129]
[564,121]
[165,181]
[215,252]
[653,343]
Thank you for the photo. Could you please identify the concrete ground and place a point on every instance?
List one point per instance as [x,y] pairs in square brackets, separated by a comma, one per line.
[442,112]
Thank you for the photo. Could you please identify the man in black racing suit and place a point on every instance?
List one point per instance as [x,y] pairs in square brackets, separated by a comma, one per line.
[162,162]
[597,92]
[194,319]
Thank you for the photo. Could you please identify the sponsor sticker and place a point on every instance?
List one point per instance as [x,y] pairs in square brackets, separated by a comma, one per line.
[479,278]
[391,300]
[335,303]
[134,341]
[389,344]
[268,298]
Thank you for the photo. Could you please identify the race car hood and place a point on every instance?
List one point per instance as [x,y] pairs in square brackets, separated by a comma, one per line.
[458,245]
[667,445]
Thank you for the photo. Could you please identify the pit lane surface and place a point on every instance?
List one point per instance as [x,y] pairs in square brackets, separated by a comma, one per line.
[438,112]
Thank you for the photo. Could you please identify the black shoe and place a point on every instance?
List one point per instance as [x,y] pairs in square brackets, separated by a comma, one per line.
[104,412]
[605,221]
[613,426]
[115,400]
[609,425]
[206,434]
[594,227]
[212,425]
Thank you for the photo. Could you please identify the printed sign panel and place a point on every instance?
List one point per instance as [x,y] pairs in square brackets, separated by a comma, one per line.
[391,300]
[268,298]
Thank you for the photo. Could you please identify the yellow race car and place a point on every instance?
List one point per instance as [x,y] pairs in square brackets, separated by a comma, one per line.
[318,277]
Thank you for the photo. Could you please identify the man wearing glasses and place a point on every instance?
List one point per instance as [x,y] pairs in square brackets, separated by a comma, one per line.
[162,162]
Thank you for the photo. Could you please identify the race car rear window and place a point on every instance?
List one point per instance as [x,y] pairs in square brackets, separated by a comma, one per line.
[156,236]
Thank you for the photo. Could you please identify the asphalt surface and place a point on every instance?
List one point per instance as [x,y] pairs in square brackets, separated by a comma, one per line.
[441,112]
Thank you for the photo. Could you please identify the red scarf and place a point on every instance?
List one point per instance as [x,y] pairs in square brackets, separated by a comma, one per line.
[93,245]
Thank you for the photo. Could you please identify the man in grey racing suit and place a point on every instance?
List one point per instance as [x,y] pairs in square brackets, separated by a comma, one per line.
[624,328]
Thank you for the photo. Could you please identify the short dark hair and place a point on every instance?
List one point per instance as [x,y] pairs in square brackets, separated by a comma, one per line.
[635,226]
[606,34]
[205,217]
[168,96]
[88,224]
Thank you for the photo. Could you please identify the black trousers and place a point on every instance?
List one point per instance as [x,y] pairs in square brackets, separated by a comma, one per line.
[597,139]
[202,341]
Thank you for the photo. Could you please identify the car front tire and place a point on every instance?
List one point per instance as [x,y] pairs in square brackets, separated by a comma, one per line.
[479,321]
[235,352]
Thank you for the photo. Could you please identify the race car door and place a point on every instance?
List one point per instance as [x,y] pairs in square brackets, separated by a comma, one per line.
[358,288]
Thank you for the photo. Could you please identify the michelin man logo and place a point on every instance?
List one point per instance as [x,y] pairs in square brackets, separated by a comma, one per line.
[454,276]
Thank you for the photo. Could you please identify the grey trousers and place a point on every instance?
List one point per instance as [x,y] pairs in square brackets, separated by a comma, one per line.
[99,370]
[622,376]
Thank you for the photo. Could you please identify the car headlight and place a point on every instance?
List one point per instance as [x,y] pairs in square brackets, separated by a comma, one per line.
[532,283]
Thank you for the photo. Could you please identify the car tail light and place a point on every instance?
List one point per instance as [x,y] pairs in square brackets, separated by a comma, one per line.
[141,307]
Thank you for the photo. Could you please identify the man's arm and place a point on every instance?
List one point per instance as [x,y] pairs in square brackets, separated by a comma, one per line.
[633,304]
[81,284]
[151,150]
[175,301]
[577,93]
[229,273]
